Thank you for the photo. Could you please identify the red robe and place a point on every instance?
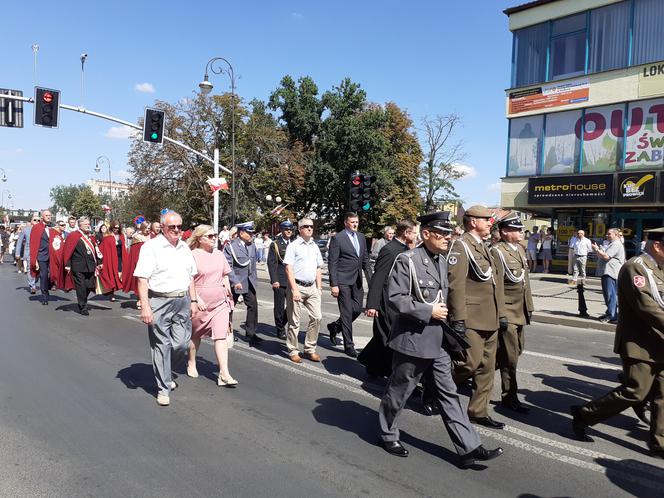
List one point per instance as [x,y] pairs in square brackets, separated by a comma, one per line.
[129,283]
[70,245]
[35,241]
[56,250]
[110,279]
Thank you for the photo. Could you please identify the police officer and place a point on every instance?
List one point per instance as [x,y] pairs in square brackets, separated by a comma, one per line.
[277,271]
[511,261]
[241,256]
[640,344]
[421,340]
[476,308]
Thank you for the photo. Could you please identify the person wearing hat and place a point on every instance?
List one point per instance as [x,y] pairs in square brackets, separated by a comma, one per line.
[277,271]
[640,344]
[241,256]
[422,340]
[511,261]
[476,306]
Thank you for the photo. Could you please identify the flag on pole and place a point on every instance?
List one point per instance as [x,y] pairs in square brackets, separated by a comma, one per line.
[277,211]
[217,184]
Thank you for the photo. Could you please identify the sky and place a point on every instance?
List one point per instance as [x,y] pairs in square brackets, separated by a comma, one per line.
[430,57]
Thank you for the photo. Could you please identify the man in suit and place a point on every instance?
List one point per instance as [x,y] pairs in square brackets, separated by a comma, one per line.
[640,344]
[513,269]
[81,258]
[421,339]
[277,271]
[477,310]
[241,256]
[347,258]
[40,254]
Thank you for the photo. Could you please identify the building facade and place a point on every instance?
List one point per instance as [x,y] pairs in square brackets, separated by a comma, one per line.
[114,190]
[586,117]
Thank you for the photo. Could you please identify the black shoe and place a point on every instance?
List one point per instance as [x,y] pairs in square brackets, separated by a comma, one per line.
[254,341]
[281,334]
[44,302]
[332,329]
[584,314]
[578,425]
[394,448]
[515,405]
[479,453]
[657,453]
[350,352]
[487,422]
[430,409]
[84,312]
[640,411]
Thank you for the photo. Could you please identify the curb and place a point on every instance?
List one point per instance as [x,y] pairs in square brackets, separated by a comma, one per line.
[580,323]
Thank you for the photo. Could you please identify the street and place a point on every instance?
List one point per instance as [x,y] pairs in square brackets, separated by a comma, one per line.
[78,416]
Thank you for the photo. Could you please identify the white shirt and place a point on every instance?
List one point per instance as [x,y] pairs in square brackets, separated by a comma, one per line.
[582,247]
[259,242]
[305,258]
[224,235]
[167,268]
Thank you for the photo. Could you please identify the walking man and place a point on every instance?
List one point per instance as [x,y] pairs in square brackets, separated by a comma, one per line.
[303,262]
[609,261]
[165,271]
[347,258]
[40,254]
[277,271]
[582,246]
[81,258]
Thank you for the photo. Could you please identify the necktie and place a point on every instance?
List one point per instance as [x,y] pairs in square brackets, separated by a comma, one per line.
[356,244]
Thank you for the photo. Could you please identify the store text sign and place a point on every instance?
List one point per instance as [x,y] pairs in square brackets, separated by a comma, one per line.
[579,189]
[636,187]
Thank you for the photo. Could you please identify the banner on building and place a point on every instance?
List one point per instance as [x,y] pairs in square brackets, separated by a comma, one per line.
[547,96]
[579,189]
[636,187]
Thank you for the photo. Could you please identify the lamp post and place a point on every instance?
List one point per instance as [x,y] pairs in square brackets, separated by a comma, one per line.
[105,161]
[206,87]
[4,175]
[9,196]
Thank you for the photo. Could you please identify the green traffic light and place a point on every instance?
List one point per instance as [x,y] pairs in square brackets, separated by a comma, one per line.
[366,206]
[154,136]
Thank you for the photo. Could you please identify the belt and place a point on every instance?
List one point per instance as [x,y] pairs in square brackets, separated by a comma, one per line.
[169,295]
[303,283]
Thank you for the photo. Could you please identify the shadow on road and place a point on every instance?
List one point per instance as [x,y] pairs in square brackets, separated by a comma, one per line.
[636,478]
[613,360]
[608,374]
[138,376]
[73,307]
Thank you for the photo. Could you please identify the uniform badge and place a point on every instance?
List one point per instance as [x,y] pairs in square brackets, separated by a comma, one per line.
[639,281]
[56,244]
[452,260]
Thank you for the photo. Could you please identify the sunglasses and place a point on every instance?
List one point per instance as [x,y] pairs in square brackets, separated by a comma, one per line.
[61,224]
[35,219]
[210,236]
[174,227]
[307,226]
[116,228]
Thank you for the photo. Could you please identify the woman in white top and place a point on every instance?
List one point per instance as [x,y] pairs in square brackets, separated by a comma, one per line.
[547,256]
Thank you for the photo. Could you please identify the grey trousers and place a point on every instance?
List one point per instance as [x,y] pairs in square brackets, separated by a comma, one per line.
[169,333]
[406,373]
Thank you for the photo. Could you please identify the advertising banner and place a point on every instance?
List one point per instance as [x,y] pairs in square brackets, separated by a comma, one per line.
[547,96]
[636,188]
[580,189]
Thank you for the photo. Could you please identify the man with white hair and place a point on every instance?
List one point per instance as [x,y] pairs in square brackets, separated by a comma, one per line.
[81,258]
[40,253]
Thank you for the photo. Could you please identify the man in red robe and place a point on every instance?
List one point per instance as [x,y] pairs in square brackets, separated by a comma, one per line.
[56,246]
[114,253]
[82,260]
[40,253]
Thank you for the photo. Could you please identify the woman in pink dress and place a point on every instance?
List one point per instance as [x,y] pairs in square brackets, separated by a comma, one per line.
[210,311]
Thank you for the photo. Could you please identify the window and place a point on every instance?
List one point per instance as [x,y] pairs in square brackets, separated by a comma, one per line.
[561,145]
[525,145]
[602,138]
[609,37]
[648,39]
[530,46]
[645,135]
[568,47]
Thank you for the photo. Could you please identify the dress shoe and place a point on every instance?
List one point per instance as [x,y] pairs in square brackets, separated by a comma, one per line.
[163,400]
[192,372]
[394,448]
[254,341]
[315,357]
[578,425]
[487,422]
[584,314]
[351,352]
[657,453]
[281,334]
[515,405]
[430,409]
[332,329]
[84,312]
[226,381]
[33,290]
[174,385]
[640,411]
[479,453]
[44,302]
[295,358]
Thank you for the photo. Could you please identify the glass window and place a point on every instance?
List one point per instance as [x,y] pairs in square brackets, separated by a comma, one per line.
[648,39]
[645,135]
[569,24]
[530,45]
[561,145]
[609,37]
[568,47]
[525,144]
[602,138]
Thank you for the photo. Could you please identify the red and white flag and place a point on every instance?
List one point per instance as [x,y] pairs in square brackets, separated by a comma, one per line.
[217,184]
[277,211]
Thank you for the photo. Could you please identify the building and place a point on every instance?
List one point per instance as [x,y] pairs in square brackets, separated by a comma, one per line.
[104,188]
[586,117]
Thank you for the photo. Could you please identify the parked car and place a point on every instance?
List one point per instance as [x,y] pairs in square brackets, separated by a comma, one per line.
[322,245]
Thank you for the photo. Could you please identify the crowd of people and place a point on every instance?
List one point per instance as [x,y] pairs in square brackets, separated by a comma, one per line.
[449,305]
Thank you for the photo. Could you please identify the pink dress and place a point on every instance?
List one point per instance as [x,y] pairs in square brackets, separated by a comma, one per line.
[214,321]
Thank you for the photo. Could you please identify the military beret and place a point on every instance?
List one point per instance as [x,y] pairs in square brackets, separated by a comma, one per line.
[655,234]
[247,227]
[286,225]
[478,211]
[440,220]
[510,220]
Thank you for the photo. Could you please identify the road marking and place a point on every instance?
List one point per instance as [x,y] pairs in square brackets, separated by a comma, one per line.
[270,305]
[573,361]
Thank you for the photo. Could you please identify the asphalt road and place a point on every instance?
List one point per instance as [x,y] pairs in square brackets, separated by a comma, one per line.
[78,417]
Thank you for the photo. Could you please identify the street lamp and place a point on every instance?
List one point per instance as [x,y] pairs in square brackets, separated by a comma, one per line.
[9,196]
[206,87]
[4,176]
[105,161]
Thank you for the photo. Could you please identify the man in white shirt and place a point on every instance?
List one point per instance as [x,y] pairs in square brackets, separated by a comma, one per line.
[165,272]
[582,247]
[570,256]
[610,259]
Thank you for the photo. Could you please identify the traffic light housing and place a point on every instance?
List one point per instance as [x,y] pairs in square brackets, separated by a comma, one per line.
[368,192]
[362,192]
[47,107]
[11,111]
[153,126]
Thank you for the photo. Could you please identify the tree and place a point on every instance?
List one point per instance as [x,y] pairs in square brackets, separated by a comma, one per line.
[442,154]
[64,196]
[86,204]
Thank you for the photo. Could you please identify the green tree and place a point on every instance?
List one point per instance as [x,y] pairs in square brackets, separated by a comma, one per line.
[64,196]
[86,204]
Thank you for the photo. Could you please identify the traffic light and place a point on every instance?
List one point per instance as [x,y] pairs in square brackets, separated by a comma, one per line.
[356,191]
[47,107]
[368,192]
[153,126]
[11,111]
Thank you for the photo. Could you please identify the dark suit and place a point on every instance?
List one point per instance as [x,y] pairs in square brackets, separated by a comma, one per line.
[242,260]
[345,267]
[82,264]
[277,271]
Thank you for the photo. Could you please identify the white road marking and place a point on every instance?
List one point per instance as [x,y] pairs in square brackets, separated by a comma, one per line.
[270,305]
[573,361]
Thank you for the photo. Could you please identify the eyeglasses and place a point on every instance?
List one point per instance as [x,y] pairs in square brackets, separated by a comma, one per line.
[174,227]
[35,219]
[210,236]
[307,226]
[61,224]
[116,228]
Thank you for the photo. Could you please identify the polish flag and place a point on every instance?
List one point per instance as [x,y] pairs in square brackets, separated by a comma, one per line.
[217,184]
[278,210]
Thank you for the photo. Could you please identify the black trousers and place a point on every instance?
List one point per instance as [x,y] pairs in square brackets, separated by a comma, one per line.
[44,277]
[251,303]
[280,319]
[350,306]
[84,283]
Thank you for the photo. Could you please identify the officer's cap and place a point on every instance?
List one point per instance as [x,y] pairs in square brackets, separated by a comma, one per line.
[440,220]
[286,225]
[510,220]
[247,227]
[478,211]
[655,234]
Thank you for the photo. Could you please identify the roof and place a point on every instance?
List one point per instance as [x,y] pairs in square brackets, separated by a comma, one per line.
[526,6]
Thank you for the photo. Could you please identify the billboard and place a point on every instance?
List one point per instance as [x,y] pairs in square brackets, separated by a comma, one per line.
[578,189]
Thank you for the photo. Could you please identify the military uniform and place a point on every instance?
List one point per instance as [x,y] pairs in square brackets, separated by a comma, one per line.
[640,343]
[512,266]
[277,271]
[475,302]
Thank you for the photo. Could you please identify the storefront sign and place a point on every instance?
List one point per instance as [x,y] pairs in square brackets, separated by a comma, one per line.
[636,188]
[651,79]
[547,96]
[580,189]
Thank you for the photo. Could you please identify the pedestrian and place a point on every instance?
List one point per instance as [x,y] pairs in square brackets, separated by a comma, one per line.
[4,243]
[165,272]
[155,229]
[513,269]
[71,226]
[547,250]
[277,271]
[303,262]
[640,344]
[609,261]
[267,241]
[241,256]
[421,340]
[212,304]
[477,310]
[260,246]
[570,258]
[113,249]
[388,235]
[533,246]
[102,231]
[56,241]
[24,251]
[224,235]
[39,254]
[347,259]
[129,281]
[18,249]
[82,260]
[582,247]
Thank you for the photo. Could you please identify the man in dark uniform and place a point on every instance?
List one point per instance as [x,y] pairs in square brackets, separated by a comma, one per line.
[40,254]
[513,268]
[82,257]
[476,307]
[421,340]
[277,271]
[640,344]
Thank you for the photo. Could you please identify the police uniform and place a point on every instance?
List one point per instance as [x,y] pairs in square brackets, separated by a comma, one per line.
[475,303]
[277,271]
[640,343]
[512,266]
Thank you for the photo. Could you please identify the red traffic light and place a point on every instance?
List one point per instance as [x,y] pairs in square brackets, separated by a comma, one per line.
[356,180]
[47,97]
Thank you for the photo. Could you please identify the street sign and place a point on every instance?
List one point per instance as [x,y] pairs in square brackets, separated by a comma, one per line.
[11,111]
